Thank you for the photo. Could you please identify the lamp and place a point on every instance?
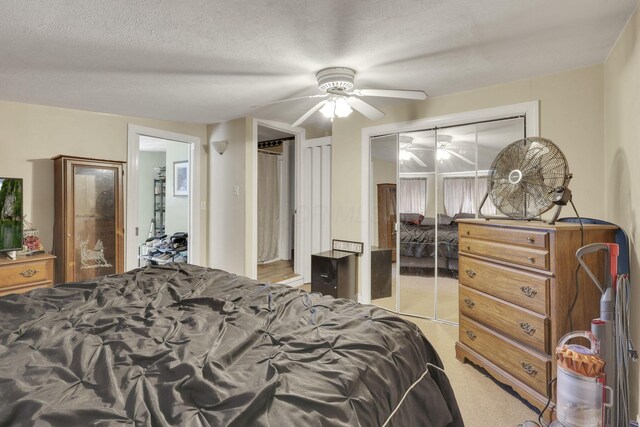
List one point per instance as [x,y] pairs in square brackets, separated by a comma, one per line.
[220,146]
[336,106]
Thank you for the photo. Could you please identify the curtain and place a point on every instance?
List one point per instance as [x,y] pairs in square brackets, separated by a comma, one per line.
[488,208]
[412,196]
[268,207]
[459,196]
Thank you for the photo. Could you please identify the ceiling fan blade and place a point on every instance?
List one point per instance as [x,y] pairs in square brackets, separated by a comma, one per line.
[392,93]
[369,111]
[461,157]
[323,95]
[418,160]
[306,115]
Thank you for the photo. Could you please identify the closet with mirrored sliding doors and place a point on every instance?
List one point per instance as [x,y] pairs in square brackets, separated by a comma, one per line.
[420,183]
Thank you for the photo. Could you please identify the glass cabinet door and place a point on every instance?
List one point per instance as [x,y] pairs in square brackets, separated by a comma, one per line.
[94,221]
[88,231]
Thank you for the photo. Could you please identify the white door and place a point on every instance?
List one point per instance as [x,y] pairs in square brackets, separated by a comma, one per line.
[317,198]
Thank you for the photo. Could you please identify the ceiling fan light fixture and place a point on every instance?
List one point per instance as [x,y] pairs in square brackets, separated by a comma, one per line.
[405,155]
[328,109]
[443,154]
[337,106]
[343,109]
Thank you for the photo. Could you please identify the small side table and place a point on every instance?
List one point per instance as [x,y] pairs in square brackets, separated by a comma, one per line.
[334,273]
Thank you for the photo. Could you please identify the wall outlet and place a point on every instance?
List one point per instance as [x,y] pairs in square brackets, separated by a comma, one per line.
[236,190]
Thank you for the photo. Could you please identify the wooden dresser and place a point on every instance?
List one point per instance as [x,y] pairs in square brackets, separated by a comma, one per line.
[26,273]
[517,282]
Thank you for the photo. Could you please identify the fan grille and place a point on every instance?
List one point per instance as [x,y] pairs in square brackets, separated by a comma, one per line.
[524,175]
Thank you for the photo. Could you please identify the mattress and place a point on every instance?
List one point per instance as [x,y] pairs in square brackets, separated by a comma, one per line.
[419,241]
[185,345]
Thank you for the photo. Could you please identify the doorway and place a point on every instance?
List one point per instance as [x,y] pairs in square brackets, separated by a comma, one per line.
[276,199]
[162,217]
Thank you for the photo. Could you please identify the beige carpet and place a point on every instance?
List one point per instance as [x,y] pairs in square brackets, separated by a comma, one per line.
[483,403]
[417,297]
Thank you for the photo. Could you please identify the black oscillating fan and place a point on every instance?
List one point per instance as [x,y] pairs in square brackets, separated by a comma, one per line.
[527,178]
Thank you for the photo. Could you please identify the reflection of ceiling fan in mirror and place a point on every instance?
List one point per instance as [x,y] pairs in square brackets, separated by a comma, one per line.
[407,148]
[445,150]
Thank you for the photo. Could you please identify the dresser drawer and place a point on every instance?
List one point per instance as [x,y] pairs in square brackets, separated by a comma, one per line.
[522,325]
[14,275]
[532,369]
[531,257]
[528,290]
[527,238]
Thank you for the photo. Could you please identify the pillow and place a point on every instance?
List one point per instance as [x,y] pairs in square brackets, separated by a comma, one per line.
[428,221]
[411,218]
[444,219]
[463,215]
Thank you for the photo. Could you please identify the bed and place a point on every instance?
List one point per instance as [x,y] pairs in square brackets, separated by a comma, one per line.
[418,245]
[184,345]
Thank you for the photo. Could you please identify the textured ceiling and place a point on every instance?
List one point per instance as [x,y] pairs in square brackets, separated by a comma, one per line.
[208,61]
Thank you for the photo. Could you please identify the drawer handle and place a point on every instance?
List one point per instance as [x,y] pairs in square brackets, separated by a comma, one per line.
[469,302]
[531,239]
[468,233]
[324,275]
[469,248]
[531,259]
[470,273]
[529,369]
[471,335]
[527,328]
[29,273]
[528,291]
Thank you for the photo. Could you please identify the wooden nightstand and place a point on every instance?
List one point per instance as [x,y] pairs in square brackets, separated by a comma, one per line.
[26,273]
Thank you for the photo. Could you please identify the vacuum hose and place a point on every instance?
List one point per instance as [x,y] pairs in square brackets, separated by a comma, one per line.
[624,347]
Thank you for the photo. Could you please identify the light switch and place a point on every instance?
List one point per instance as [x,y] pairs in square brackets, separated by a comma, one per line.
[236,190]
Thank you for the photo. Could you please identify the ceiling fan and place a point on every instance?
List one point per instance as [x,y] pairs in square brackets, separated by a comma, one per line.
[340,98]
[409,144]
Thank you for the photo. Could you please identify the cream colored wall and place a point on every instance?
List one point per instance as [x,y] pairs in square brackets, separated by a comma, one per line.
[147,161]
[229,217]
[571,114]
[176,207]
[31,134]
[622,155]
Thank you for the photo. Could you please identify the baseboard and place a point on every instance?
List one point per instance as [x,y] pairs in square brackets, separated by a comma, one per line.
[293,281]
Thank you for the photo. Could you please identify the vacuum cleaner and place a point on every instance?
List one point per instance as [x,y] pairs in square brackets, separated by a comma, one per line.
[592,385]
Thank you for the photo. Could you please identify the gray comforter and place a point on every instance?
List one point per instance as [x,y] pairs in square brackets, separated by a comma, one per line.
[186,345]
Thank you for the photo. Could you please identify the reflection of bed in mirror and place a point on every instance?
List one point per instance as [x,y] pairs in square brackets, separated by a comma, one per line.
[418,245]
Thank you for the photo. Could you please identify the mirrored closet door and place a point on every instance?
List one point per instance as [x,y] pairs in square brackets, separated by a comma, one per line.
[421,183]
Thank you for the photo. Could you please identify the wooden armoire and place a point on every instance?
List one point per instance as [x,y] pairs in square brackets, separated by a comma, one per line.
[387,218]
[88,234]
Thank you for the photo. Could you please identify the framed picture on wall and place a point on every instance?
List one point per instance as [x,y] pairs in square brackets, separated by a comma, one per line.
[181,178]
